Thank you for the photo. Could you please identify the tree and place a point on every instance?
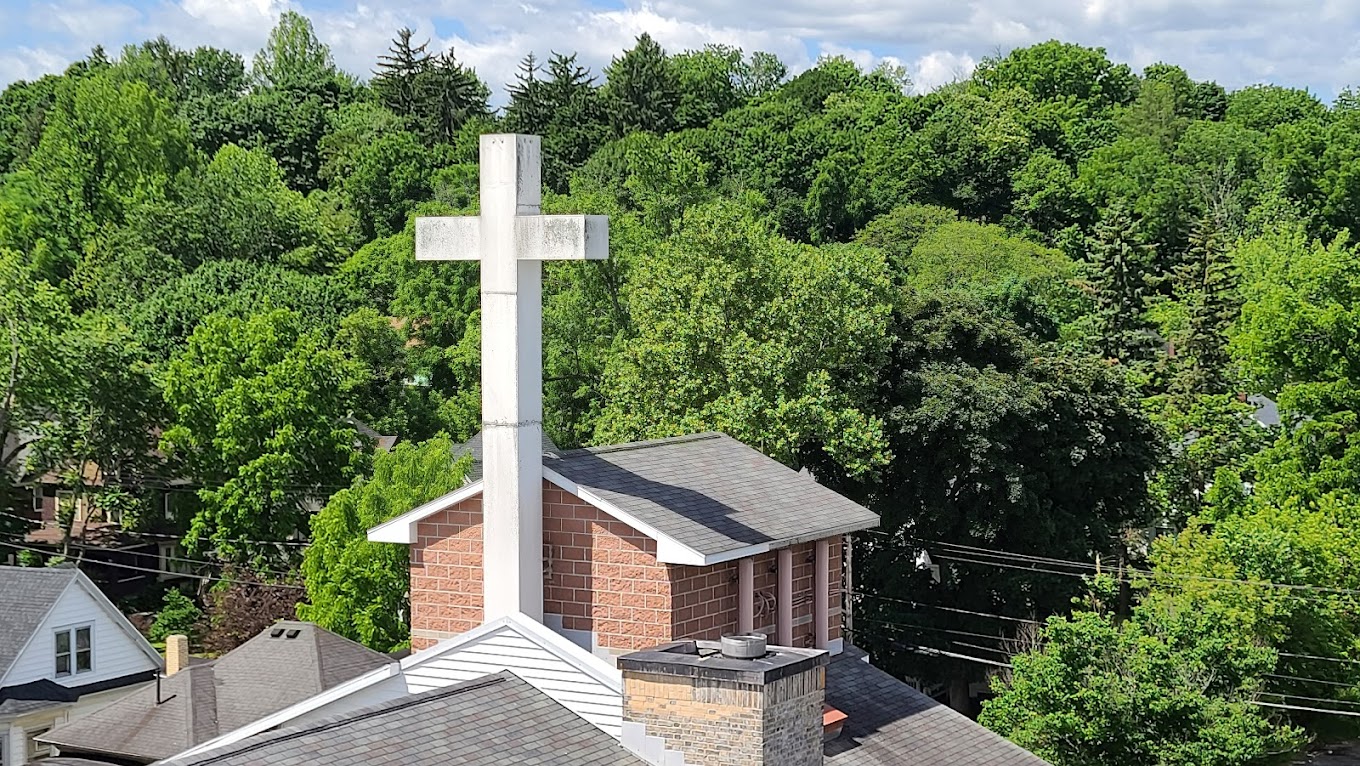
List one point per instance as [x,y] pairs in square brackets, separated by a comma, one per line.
[640,89]
[38,380]
[1205,285]
[1107,693]
[996,442]
[178,615]
[259,422]
[396,83]
[292,57]
[242,604]
[358,588]
[741,331]
[1121,283]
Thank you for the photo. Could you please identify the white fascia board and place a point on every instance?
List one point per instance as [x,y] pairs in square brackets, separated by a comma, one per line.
[402,529]
[291,712]
[531,630]
[668,549]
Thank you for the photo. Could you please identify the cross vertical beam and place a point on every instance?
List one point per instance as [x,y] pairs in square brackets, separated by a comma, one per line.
[512,382]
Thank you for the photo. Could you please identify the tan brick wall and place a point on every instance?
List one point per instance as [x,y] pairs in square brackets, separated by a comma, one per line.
[719,723]
[446,574]
[604,576]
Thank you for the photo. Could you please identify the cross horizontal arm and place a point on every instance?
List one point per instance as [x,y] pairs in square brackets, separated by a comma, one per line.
[562,237]
[448,238]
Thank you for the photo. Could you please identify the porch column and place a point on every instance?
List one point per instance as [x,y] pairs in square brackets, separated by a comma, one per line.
[746,595]
[784,603]
[821,595]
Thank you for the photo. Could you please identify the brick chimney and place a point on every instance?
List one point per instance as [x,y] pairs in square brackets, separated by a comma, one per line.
[176,654]
[731,703]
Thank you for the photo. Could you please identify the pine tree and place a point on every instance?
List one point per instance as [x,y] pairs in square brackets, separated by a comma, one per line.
[1121,280]
[1205,284]
[395,80]
[450,95]
[641,90]
[528,110]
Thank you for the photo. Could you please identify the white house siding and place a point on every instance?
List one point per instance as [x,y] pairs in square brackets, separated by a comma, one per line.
[116,654]
[506,650]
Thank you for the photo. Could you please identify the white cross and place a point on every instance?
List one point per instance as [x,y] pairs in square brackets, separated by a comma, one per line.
[512,239]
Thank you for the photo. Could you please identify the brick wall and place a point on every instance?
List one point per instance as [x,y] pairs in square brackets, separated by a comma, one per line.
[446,574]
[603,575]
[705,600]
[726,723]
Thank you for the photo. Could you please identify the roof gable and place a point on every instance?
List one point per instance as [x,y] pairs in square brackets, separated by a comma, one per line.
[704,498]
[27,595]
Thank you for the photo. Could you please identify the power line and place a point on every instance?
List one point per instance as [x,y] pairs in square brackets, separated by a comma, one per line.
[158,557]
[1316,657]
[243,541]
[953,610]
[1349,713]
[208,578]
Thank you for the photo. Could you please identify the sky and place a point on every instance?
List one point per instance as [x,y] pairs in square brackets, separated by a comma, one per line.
[1302,43]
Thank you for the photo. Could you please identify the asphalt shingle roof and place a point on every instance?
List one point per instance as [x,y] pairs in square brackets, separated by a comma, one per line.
[284,664]
[473,447]
[27,594]
[489,721]
[890,723]
[711,492]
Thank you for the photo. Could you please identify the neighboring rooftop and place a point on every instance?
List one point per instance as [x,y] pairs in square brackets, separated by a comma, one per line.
[284,664]
[489,721]
[711,493]
[888,721]
[27,594]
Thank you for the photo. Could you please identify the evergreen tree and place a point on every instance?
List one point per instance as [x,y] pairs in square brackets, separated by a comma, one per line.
[395,81]
[1205,285]
[450,95]
[1121,280]
[641,90]
[528,110]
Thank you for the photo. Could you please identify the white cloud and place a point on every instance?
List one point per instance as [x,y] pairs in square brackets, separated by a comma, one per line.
[30,63]
[940,68]
[1234,41]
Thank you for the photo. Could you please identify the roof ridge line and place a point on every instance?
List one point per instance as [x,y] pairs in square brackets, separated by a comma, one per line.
[605,449]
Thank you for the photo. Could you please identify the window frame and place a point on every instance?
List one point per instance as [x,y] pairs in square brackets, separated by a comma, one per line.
[73,650]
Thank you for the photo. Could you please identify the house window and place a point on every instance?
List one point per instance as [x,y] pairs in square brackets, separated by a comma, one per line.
[37,498]
[172,560]
[74,650]
[66,505]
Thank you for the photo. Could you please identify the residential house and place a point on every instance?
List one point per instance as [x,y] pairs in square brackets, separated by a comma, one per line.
[65,651]
[286,663]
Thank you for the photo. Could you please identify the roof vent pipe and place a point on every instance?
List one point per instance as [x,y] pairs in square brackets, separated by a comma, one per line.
[744,646]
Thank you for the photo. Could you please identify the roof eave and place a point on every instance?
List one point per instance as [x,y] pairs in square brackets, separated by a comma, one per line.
[772,545]
[402,529]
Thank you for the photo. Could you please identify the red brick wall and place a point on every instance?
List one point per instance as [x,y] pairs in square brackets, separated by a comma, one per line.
[604,578]
[704,599]
[604,575]
[446,574]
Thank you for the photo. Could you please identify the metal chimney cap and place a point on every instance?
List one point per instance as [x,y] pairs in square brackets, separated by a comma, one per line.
[744,646]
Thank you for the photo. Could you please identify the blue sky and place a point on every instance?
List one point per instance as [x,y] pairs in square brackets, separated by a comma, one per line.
[1237,42]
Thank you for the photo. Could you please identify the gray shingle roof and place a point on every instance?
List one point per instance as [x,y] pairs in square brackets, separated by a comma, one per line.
[489,721]
[264,675]
[27,594]
[473,447]
[711,492]
[890,723]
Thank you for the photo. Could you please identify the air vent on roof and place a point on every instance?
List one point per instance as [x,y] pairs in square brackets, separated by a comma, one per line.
[276,632]
[294,633]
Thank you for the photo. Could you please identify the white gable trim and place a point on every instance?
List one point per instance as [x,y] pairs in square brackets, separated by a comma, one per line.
[402,529]
[531,630]
[293,711]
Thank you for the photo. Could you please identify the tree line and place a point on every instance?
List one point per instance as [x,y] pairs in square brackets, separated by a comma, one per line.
[1027,317]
